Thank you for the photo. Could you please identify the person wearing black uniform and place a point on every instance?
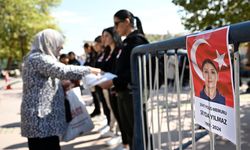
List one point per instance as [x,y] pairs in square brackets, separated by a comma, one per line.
[100,55]
[113,43]
[72,59]
[91,58]
[124,22]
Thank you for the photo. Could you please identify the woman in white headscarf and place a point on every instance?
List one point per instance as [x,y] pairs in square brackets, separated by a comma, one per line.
[42,109]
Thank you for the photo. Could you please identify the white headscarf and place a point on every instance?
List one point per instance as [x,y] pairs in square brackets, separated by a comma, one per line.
[48,41]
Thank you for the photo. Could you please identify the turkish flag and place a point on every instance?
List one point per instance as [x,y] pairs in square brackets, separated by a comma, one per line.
[212,45]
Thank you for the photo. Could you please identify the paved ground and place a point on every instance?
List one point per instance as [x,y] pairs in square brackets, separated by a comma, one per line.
[10,137]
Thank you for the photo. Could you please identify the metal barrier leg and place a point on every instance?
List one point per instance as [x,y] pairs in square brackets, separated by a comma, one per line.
[151,99]
[148,141]
[166,96]
[158,101]
[211,135]
[237,97]
[142,100]
[182,71]
[192,111]
[178,98]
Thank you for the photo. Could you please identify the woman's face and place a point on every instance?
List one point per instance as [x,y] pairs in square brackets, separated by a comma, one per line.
[65,60]
[210,75]
[120,26]
[107,38]
[98,47]
[87,50]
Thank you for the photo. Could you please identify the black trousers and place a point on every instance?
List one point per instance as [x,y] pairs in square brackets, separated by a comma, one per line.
[115,108]
[96,103]
[126,111]
[48,143]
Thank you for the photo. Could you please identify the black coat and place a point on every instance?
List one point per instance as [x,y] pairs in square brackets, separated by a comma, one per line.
[109,62]
[123,67]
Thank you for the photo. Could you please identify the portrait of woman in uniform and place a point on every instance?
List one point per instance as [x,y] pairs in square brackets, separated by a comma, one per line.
[210,91]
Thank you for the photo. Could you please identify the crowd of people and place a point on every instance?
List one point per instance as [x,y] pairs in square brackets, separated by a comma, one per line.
[47,75]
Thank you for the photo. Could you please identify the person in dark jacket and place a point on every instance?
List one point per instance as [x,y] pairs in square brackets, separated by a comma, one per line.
[98,93]
[72,59]
[112,43]
[91,59]
[124,22]
[91,55]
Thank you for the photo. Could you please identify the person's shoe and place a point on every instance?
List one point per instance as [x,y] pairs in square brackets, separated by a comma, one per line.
[95,113]
[114,141]
[107,134]
[104,129]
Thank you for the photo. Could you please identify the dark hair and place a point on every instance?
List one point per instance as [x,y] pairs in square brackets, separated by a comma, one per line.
[124,14]
[62,56]
[86,45]
[98,39]
[115,36]
[208,61]
[71,53]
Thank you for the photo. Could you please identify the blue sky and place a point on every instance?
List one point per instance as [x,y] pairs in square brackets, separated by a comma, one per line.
[83,20]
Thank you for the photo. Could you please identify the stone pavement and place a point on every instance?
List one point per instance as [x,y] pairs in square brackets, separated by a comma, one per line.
[10,137]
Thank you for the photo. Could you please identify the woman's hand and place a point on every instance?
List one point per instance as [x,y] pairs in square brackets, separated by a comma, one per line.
[107,84]
[95,70]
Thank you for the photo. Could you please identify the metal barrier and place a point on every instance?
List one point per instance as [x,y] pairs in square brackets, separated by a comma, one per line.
[158,110]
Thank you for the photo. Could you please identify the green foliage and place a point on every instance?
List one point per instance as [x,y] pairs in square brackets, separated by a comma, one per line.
[199,14]
[20,21]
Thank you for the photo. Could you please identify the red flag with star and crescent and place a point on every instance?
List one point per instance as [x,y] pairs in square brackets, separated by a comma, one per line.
[213,46]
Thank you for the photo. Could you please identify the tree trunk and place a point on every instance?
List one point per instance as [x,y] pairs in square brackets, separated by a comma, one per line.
[9,63]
